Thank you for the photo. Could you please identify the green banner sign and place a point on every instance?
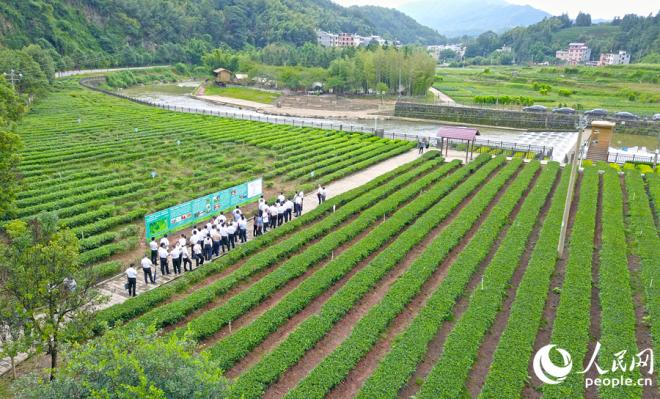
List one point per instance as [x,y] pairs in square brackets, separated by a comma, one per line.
[184,215]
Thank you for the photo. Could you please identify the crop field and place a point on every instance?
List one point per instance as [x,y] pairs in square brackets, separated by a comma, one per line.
[437,280]
[632,88]
[90,158]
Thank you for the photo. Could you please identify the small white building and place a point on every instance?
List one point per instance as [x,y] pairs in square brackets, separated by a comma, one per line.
[620,58]
[435,50]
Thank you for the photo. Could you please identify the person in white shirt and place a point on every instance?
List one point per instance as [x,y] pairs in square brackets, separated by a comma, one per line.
[208,227]
[194,239]
[319,194]
[197,253]
[273,216]
[237,213]
[176,259]
[163,254]
[146,268]
[242,229]
[165,241]
[280,213]
[203,233]
[281,198]
[208,248]
[224,237]
[183,241]
[323,194]
[153,246]
[301,195]
[231,235]
[297,205]
[265,219]
[216,237]
[262,203]
[185,256]
[220,219]
[131,274]
[288,210]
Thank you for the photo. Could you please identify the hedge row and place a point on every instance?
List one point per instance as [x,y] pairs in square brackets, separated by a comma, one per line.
[252,383]
[148,300]
[211,321]
[233,348]
[570,330]
[617,317]
[410,347]
[461,348]
[334,368]
[508,371]
[644,234]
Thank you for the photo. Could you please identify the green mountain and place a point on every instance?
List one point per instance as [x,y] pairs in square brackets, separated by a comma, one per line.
[131,32]
[393,24]
[640,36]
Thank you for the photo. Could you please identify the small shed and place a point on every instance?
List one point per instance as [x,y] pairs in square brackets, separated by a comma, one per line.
[453,133]
[223,75]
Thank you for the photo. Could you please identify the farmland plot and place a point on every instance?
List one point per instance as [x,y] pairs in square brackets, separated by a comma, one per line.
[102,163]
[435,280]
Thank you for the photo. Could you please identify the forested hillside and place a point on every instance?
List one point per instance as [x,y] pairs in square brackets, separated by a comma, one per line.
[131,32]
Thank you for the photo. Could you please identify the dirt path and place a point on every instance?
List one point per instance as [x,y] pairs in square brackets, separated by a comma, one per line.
[481,366]
[442,97]
[533,389]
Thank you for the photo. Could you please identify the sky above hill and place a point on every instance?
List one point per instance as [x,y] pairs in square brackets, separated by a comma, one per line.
[597,8]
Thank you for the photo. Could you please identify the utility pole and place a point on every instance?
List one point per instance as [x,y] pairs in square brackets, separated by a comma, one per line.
[13,77]
[571,188]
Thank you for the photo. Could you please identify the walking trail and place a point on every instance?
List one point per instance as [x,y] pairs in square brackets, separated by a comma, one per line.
[114,287]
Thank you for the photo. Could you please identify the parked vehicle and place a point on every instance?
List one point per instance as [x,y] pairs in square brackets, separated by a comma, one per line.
[535,108]
[626,115]
[656,117]
[564,110]
[597,112]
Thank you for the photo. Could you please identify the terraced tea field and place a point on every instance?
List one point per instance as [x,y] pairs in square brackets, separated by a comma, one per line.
[89,158]
[435,280]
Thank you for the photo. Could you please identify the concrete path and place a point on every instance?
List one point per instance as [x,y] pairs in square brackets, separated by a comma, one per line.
[442,97]
[114,287]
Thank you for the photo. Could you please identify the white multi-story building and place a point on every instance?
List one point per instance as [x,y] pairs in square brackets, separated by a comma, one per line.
[343,39]
[435,50]
[577,53]
[620,58]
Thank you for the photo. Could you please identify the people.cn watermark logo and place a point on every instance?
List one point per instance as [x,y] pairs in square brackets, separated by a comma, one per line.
[625,369]
[546,370]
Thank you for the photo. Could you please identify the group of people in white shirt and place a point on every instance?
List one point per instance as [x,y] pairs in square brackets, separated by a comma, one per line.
[217,235]
[271,216]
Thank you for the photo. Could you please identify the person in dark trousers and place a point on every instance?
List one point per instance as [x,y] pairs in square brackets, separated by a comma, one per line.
[273,216]
[185,258]
[242,229]
[131,274]
[224,237]
[420,146]
[197,253]
[153,246]
[176,259]
[231,235]
[164,266]
[216,239]
[319,194]
[146,268]
[258,224]
[208,248]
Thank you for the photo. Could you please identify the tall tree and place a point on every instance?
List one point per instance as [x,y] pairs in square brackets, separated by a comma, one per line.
[42,277]
[583,19]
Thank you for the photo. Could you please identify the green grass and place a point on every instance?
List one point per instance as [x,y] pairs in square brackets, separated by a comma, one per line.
[243,93]
[633,88]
